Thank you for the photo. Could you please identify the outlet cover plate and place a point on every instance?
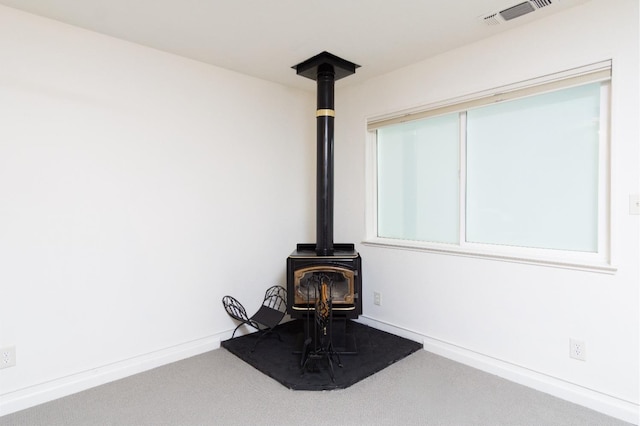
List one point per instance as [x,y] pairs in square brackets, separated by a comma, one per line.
[7,357]
[577,349]
[634,204]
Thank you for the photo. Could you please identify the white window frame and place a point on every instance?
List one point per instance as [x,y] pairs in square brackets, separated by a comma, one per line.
[600,261]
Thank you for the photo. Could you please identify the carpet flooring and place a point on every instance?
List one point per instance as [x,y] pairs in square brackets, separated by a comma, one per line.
[281,360]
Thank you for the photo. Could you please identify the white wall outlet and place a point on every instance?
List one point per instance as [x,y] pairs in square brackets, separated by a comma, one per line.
[7,357]
[577,349]
[634,204]
[376,298]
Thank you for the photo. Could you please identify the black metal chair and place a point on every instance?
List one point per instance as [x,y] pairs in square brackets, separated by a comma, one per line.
[267,317]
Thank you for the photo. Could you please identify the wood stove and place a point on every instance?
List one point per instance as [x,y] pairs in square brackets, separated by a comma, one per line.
[341,272]
[334,266]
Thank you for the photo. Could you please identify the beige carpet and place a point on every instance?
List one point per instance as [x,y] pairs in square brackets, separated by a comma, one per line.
[217,388]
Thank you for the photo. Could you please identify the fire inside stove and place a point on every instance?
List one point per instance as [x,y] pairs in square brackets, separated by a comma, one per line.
[339,283]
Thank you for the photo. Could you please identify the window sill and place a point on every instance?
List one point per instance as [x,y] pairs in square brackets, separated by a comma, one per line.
[562,261]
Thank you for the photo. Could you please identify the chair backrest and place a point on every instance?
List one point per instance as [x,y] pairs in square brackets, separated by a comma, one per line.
[276,298]
[235,308]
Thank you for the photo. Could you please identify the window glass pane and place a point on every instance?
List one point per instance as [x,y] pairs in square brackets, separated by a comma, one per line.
[532,171]
[418,180]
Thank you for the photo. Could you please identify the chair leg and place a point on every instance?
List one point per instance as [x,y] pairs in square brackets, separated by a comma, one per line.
[236,329]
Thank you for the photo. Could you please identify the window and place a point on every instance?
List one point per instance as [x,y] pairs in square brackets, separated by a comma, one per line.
[522,175]
[418,180]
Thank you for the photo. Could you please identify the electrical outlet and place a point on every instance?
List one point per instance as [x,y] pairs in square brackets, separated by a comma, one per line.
[577,349]
[376,298]
[7,357]
[634,204]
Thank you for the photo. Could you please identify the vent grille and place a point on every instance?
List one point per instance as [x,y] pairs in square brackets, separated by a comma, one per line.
[541,3]
[492,19]
[516,11]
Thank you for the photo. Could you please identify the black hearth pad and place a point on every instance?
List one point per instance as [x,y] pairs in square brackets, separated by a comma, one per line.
[281,360]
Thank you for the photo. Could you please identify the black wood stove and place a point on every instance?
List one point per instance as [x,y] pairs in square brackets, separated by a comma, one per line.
[325,271]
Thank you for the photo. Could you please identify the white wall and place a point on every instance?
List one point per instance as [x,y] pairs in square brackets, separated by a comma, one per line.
[136,189]
[508,318]
[134,185]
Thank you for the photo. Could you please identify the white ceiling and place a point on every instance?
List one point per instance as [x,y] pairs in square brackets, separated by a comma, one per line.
[265,38]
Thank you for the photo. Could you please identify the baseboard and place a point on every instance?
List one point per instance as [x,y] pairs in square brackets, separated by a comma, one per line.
[390,328]
[592,399]
[64,386]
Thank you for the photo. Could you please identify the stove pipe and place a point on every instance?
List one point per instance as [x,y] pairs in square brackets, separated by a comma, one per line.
[325,69]
[325,116]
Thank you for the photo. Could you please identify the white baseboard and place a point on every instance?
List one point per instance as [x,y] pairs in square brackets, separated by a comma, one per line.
[64,386]
[595,400]
[45,392]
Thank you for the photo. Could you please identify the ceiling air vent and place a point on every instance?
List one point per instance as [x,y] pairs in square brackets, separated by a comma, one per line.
[541,3]
[516,11]
[492,19]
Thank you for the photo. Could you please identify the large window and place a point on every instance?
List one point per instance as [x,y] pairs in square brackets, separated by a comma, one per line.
[521,175]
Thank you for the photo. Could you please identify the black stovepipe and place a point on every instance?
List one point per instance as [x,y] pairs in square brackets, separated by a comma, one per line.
[324,183]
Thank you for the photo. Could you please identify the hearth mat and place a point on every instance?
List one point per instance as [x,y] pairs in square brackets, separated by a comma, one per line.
[376,350]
